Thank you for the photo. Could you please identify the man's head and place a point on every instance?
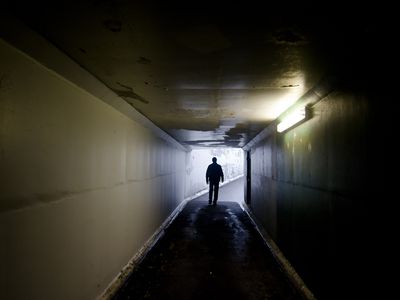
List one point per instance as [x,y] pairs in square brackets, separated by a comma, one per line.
[214,159]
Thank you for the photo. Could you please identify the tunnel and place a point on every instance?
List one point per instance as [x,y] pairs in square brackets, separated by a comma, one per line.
[106,105]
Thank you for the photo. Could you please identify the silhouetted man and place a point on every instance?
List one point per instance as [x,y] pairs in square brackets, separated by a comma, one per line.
[213,175]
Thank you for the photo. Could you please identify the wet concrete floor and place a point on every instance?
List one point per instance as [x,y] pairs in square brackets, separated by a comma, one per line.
[209,252]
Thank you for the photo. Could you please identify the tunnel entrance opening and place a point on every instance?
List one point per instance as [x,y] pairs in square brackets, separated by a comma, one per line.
[197,161]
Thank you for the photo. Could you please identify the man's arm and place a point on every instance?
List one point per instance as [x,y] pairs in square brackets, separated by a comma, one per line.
[222,175]
[207,174]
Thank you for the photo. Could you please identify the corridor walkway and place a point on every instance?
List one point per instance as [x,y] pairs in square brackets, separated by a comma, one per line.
[209,253]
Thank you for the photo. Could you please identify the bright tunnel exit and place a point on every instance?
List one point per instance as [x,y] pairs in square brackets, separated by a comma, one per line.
[197,161]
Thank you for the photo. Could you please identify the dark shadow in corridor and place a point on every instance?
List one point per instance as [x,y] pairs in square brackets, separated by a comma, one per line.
[209,253]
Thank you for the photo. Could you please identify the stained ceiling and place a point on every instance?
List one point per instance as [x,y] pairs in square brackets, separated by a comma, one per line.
[209,74]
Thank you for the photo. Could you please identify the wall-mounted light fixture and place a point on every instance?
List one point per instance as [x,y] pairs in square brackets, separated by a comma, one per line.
[294,117]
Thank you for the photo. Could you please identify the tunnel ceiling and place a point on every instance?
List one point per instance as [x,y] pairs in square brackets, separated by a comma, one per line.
[209,75]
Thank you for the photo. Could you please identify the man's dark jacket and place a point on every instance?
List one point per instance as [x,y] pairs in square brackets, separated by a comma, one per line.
[214,173]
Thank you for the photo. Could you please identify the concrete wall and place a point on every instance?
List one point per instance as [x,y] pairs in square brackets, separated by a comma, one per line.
[83,187]
[197,161]
[313,188]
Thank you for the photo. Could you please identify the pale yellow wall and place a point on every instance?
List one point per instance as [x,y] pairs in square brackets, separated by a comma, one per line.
[82,185]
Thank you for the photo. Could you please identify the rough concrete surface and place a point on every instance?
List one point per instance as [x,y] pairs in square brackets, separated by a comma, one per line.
[209,252]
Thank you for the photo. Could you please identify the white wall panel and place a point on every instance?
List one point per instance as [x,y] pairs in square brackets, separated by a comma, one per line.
[82,185]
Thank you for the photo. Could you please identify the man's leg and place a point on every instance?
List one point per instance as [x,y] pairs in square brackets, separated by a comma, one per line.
[216,188]
[210,193]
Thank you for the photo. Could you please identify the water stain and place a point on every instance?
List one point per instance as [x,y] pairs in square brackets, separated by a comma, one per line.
[289,85]
[113,25]
[5,83]
[144,61]
[129,93]
[289,37]
[209,252]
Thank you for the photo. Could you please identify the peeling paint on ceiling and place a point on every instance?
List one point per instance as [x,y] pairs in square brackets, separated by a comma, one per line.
[206,76]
